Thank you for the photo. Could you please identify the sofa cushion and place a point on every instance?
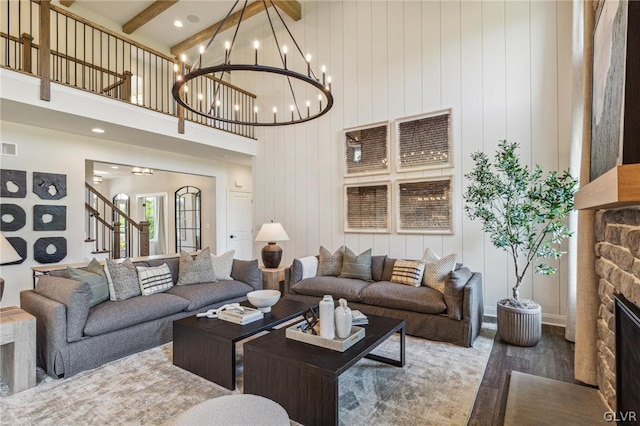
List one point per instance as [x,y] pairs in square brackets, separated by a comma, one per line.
[75,295]
[345,288]
[194,270]
[204,294]
[408,272]
[222,265]
[417,299]
[454,291]
[123,280]
[377,267]
[248,272]
[154,279]
[111,316]
[97,282]
[330,264]
[172,262]
[358,267]
[387,271]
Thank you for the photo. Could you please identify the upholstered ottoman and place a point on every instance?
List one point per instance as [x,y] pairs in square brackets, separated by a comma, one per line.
[234,410]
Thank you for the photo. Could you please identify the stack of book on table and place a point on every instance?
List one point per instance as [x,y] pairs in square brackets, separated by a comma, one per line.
[243,317]
[359,318]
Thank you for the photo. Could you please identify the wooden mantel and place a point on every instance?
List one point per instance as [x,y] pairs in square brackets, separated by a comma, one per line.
[618,187]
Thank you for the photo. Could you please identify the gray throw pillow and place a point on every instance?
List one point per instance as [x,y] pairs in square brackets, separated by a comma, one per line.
[123,280]
[454,291]
[387,271]
[97,281]
[358,267]
[330,264]
[222,265]
[377,267]
[196,270]
[248,272]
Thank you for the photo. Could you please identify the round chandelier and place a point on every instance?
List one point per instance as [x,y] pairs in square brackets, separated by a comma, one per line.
[306,94]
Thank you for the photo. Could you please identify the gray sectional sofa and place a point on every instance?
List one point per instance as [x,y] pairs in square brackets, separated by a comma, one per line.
[72,336]
[455,316]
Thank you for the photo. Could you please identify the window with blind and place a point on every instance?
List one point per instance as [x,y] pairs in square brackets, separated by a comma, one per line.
[366,150]
[424,206]
[367,207]
[424,142]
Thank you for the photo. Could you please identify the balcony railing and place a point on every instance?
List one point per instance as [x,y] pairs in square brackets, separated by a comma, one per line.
[92,58]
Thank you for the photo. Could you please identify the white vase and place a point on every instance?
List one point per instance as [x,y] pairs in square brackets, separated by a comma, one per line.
[344,319]
[327,326]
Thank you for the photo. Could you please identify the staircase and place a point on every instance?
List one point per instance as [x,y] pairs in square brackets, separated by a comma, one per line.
[104,226]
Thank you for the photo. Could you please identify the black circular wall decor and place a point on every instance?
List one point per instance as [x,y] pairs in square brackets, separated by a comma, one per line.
[18,214]
[13,183]
[58,218]
[40,249]
[50,186]
[20,246]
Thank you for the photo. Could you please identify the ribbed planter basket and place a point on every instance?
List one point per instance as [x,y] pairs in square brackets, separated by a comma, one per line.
[520,326]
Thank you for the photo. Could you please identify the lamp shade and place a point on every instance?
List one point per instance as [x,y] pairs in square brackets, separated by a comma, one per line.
[7,253]
[272,232]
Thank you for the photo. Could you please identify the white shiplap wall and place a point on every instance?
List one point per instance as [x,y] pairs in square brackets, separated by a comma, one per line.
[502,66]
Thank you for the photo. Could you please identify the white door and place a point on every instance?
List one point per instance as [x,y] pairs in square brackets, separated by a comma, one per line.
[240,224]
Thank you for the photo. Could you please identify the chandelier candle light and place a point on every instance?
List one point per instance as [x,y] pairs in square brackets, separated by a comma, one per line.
[300,84]
[272,253]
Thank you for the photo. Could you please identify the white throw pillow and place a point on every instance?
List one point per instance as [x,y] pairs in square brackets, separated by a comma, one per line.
[309,266]
[436,269]
[222,265]
[154,279]
[408,272]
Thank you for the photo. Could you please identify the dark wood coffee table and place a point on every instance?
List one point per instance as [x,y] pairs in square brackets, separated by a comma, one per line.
[303,378]
[207,347]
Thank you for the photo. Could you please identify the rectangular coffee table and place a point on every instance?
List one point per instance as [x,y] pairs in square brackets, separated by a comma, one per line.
[207,347]
[303,378]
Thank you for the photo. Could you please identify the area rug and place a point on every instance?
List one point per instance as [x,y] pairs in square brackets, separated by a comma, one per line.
[437,386]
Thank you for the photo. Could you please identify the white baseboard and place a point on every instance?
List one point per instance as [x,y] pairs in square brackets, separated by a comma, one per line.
[551,319]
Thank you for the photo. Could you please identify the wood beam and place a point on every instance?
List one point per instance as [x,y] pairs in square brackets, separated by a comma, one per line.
[289,7]
[44,52]
[147,15]
[67,3]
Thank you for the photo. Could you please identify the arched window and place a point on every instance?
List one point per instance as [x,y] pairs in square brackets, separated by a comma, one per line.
[188,219]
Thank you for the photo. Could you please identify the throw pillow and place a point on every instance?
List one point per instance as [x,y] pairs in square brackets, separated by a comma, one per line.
[222,265]
[408,272]
[97,281]
[123,280]
[436,269]
[358,267]
[196,270]
[154,279]
[330,264]
[454,291]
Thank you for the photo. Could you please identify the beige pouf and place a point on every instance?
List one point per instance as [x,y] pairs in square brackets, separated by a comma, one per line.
[234,410]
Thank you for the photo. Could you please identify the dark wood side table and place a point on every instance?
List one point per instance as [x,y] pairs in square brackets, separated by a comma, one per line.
[207,347]
[303,378]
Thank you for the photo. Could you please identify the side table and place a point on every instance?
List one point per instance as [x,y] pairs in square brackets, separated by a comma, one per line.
[18,348]
[272,277]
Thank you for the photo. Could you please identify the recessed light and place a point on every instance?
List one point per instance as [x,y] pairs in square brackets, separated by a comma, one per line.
[193,19]
[97,130]
[177,24]
[115,167]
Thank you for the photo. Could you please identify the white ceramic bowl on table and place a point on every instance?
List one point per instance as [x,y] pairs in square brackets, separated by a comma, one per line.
[263,299]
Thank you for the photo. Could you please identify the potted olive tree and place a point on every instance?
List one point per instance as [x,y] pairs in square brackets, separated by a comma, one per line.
[524,214]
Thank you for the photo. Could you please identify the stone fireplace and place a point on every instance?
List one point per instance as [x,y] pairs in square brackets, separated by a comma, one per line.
[617,264]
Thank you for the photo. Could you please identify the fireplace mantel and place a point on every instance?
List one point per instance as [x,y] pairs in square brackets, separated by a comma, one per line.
[619,187]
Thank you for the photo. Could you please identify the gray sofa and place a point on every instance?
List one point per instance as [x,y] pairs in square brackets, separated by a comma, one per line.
[455,316]
[72,337]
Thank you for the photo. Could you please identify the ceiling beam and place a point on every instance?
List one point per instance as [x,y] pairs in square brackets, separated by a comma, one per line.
[147,15]
[67,3]
[290,7]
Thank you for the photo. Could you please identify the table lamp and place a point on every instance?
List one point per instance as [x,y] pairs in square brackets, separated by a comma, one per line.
[272,253]
[7,255]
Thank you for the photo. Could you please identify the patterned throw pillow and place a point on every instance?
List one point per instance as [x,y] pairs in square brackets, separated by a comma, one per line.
[408,272]
[436,269]
[94,275]
[330,264]
[123,280]
[222,265]
[154,279]
[358,267]
[195,271]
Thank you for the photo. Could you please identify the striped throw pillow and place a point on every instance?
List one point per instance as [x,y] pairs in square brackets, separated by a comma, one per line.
[155,279]
[408,272]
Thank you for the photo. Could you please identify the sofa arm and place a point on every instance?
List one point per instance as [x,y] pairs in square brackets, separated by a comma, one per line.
[473,306]
[51,330]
